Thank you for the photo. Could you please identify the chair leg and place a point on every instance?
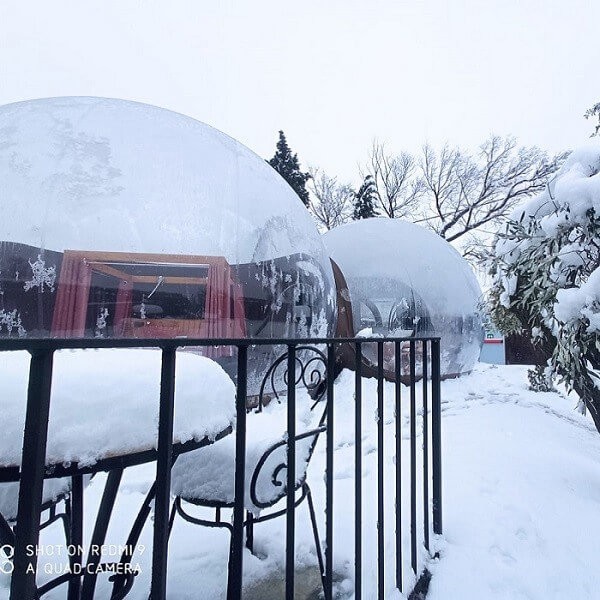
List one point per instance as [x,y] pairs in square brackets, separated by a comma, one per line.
[172,519]
[107,503]
[313,520]
[7,535]
[122,584]
[250,531]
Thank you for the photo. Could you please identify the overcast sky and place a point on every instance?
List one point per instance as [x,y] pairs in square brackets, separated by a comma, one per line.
[334,74]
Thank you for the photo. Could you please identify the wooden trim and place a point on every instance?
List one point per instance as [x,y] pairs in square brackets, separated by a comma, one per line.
[112,272]
[147,257]
[98,258]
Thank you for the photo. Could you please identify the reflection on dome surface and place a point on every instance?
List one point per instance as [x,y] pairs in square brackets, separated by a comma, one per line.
[120,219]
[404,280]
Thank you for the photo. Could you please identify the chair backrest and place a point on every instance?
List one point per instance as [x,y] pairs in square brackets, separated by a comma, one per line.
[268,482]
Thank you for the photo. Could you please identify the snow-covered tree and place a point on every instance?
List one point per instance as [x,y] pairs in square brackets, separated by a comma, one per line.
[546,273]
[288,166]
[594,113]
[331,202]
[365,200]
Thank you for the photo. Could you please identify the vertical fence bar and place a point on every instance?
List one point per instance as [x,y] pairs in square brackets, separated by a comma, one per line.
[290,513]
[76,534]
[358,472]
[380,477]
[425,449]
[236,552]
[163,475]
[329,475]
[27,533]
[398,440]
[413,459]
[436,436]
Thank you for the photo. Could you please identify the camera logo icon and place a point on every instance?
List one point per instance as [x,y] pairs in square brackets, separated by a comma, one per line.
[7,553]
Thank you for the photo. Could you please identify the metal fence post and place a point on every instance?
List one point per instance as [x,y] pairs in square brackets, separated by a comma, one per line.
[425,448]
[436,436]
[23,585]
[329,475]
[290,537]
[380,478]
[398,444]
[163,475]
[236,552]
[358,472]
[413,458]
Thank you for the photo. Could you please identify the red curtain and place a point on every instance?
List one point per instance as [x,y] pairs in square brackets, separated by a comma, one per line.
[217,300]
[122,306]
[70,309]
[239,311]
[224,311]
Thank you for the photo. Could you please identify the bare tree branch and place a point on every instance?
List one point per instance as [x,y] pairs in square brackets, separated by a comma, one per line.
[330,201]
[466,193]
[397,187]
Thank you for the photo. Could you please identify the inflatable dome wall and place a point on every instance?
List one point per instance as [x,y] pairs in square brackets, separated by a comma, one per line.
[404,280]
[119,219]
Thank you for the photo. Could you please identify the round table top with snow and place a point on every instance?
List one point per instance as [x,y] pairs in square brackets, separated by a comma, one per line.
[104,404]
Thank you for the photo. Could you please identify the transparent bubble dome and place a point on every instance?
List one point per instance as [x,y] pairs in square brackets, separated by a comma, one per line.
[124,219]
[404,280]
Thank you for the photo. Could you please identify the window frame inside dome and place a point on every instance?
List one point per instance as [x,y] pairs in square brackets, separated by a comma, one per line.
[276,298]
[222,315]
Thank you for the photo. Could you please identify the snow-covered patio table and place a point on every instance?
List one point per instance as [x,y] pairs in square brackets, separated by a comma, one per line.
[104,416]
[104,403]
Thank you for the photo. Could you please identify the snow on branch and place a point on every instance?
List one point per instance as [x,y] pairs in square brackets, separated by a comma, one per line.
[546,274]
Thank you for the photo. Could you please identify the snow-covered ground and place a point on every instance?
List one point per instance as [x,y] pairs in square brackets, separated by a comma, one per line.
[522,493]
[521,503]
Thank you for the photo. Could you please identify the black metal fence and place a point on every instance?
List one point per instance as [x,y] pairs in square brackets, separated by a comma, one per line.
[410,359]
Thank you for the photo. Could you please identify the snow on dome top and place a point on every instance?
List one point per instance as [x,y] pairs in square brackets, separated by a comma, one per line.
[405,279]
[104,174]
[403,251]
[119,219]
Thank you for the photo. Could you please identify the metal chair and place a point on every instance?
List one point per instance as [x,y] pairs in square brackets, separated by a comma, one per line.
[266,467]
[53,497]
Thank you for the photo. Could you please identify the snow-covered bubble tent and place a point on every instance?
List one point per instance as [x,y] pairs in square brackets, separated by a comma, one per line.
[121,219]
[405,280]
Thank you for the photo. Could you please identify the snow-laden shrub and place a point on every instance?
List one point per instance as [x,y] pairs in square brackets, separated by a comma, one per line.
[540,379]
[546,274]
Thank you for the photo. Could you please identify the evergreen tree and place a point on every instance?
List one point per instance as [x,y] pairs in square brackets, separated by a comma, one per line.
[364,203]
[288,166]
[594,113]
